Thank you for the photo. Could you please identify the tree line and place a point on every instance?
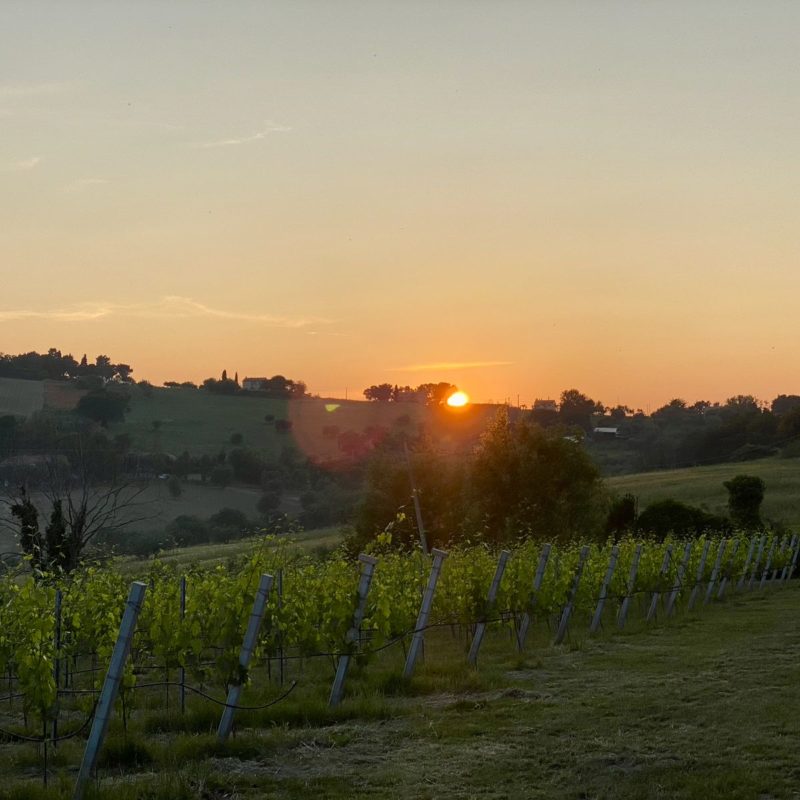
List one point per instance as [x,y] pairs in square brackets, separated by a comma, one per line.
[55,366]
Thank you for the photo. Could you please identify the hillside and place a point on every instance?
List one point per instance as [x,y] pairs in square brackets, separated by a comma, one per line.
[702,486]
[202,422]
[21,398]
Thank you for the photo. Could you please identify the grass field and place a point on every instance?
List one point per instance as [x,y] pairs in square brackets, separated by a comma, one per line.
[703,486]
[21,398]
[704,706]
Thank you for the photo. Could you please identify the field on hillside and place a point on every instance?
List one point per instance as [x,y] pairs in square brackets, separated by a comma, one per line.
[702,706]
[703,486]
[21,398]
[203,422]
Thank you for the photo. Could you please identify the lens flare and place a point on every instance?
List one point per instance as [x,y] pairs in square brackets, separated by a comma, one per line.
[458,400]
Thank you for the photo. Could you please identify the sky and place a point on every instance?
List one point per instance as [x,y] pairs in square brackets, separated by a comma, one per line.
[516,197]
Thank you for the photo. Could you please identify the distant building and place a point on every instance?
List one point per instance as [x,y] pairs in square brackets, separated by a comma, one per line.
[605,433]
[545,405]
[254,384]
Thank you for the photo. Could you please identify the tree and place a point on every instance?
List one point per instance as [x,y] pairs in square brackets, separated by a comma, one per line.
[381,393]
[789,424]
[269,503]
[79,509]
[525,479]
[103,406]
[785,403]
[745,495]
[436,393]
[104,367]
[577,409]
[297,389]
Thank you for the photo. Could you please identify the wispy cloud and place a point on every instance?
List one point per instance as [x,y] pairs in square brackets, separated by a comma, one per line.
[269,127]
[23,165]
[170,307]
[443,365]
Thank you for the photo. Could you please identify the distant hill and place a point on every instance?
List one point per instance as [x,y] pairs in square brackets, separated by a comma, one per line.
[203,422]
[702,486]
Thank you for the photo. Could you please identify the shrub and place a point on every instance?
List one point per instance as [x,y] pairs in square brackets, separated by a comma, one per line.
[745,495]
[670,516]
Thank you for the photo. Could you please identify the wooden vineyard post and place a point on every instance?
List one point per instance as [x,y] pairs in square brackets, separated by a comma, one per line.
[750,551]
[576,582]
[785,569]
[626,603]
[424,612]
[701,568]
[651,612]
[248,645]
[756,563]
[715,572]
[731,561]
[480,628]
[525,622]
[110,689]
[784,542]
[790,568]
[601,600]
[368,564]
[682,567]
[768,564]
[57,661]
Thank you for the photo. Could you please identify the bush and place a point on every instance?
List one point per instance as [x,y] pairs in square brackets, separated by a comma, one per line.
[247,465]
[103,406]
[621,515]
[228,524]
[269,502]
[666,517]
[745,495]
[187,530]
[229,518]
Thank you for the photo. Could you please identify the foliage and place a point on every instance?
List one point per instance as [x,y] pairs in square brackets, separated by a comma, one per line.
[527,479]
[745,495]
[671,517]
[103,406]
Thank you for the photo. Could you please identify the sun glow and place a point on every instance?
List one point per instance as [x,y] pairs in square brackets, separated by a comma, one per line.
[458,400]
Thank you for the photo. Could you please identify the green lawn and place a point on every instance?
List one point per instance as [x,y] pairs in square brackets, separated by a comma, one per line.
[704,706]
[703,486]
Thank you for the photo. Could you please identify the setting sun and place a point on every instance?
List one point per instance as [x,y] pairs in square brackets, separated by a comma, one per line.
[458,400]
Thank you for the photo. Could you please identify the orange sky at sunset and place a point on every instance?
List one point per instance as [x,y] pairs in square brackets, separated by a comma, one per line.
[517,198]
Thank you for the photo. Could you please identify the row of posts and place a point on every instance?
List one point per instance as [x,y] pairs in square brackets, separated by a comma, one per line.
[135,600]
